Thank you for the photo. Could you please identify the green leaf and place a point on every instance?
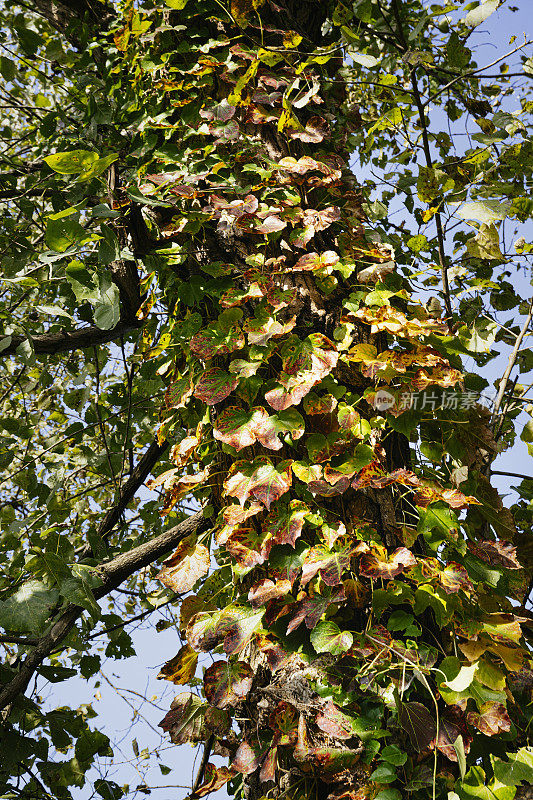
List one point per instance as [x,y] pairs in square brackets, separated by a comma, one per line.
[328,638]
[72,162]
[27,610]
[107,307]
[518,768]
[384,773]
[63,233]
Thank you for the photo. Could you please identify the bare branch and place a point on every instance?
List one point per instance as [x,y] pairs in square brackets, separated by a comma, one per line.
[51,343]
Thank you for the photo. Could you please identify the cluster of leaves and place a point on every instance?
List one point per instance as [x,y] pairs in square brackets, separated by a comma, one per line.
[362,595]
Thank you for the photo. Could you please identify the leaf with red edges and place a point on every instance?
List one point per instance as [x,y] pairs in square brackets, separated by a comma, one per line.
[285,523]
[313,262]
[263,328]
[266,590]
[215,385]
[181,668]
[269,766]
[378,564]
[454,577]
[271,224]
[496,554]
[248,546]
[214,778]
[185,720]
[328,638]
[332,721]
[284,722]
[330,565]
[227,682]
[259,479]
[246,760]
[211,342]
[241,428]
[311,608]
[492,719]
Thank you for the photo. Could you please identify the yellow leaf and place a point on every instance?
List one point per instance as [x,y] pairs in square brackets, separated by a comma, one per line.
[181,668]
[291,39]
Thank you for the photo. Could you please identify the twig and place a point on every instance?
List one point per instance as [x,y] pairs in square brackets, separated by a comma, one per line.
[474,72]
[512,474]
[512,361]
[203,763]
[429,162]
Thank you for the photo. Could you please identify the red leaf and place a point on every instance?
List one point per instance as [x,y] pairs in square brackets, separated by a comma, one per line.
[314,261]
[268,770]
[497,554]
[271,224]
[311,608]
[455,577]
[215,385]
[492,720]
[266,590]
[284,722]
[226,683]
[241,428]
[248,546]
[332,721]
[214,778]
[246,760]
[331,566]
[185,719]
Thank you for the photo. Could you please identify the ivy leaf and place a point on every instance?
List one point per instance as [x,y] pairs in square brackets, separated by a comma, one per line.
[266,590]
[454,577]
[331,565]
[492,719]
[332,721]
[381,565]
[259,479]
[312,262]
[185,720]
[246,759]
[518,768]
[420,726]
[189,562]
[285,523]
[310,609]
[478,15]
[181,668]
[27,610]
[215,385]
[226,683]
[486,244]
[248,546]
[240,428]
[328,638]
[485,211]
[214,777]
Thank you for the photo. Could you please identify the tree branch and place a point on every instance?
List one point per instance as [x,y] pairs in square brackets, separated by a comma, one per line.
[51,343]
[114,572]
